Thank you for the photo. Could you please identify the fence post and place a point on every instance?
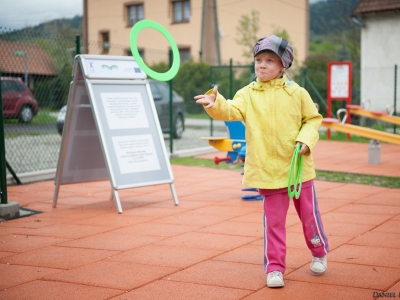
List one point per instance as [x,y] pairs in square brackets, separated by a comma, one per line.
[3,179]
[78,44]
[395,95]
[253,69]
[212,86]
[230,79]
[303,77]
[171,133]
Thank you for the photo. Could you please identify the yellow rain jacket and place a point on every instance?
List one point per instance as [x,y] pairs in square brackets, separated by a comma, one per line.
[277,114]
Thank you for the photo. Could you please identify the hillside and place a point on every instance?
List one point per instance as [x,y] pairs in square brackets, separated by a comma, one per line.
[60,27]
[331,17]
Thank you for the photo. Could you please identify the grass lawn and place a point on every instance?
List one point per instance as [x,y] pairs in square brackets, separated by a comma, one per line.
[203,116]
[383,181]
[45,116]
[340,136]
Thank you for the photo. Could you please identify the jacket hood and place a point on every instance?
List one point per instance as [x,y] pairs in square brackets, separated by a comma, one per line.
[289,86]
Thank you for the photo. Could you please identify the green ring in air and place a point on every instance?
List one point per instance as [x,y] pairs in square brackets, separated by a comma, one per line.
[139,26]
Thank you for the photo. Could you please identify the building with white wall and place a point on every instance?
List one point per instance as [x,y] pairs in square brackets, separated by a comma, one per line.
[380,51]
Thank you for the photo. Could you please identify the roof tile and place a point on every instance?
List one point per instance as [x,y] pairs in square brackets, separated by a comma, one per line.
[373,6]
[38,61]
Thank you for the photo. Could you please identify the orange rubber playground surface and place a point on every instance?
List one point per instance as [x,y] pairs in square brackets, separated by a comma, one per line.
[210,246]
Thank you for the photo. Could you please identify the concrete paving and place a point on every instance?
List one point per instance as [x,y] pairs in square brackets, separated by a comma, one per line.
[210,246]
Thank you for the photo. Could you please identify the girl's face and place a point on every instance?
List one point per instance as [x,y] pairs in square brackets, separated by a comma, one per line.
[268,66]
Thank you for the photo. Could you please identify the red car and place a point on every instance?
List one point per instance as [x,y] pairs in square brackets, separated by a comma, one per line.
[18,100]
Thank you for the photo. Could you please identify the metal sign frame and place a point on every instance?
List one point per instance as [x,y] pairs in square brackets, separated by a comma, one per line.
[111,128]
[339,86]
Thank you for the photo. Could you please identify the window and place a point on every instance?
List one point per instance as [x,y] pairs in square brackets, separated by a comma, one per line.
[163,89]
[135,14]
[17,87]
[105,40]
[6,87]
[184,53]
[11,86]
[155,91]
[128,52]
[181,11]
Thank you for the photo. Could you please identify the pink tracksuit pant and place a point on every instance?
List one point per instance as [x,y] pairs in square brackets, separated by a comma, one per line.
[276,205]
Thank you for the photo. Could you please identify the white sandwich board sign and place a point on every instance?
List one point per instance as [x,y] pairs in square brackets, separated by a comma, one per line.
[111,129]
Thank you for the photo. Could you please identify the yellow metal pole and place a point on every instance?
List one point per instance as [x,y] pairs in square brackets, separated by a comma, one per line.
[364,132]
[369,114]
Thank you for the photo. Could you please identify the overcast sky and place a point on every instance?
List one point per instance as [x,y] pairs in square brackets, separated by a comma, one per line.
[17,14]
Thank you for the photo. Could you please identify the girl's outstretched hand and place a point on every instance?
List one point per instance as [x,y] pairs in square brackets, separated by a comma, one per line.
[304,148]
[207,100]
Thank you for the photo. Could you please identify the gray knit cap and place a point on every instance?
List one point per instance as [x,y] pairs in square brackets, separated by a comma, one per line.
[277,45]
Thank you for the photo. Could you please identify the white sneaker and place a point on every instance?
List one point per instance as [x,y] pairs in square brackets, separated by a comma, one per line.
[275,279]
[318,265]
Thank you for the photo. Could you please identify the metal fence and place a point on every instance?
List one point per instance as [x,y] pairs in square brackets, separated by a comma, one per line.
[43,66]
[44,63]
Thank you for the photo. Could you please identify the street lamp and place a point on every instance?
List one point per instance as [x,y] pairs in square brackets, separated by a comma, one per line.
[24,54]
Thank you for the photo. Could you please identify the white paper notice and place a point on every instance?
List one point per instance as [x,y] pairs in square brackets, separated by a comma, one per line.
[340,81]
[136,153]
[124,110]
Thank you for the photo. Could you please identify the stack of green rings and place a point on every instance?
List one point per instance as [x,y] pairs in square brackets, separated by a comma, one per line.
[295,174]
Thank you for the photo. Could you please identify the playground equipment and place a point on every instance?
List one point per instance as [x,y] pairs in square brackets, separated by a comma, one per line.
[336,124]
[232,144]
[375,135]
[235,146]
[361,110]
[377,115]
[339,125]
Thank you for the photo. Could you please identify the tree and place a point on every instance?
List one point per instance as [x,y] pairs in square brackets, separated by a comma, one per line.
[332,32]
[247,32]
[192,79]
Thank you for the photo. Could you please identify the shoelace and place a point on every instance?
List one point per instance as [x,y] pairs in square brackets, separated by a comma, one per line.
[275,273]
[318,259]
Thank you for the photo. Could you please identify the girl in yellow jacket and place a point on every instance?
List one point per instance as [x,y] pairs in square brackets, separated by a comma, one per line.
[279,115]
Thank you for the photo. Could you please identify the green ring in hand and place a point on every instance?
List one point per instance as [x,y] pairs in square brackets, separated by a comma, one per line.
[139,26]
[295,172]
